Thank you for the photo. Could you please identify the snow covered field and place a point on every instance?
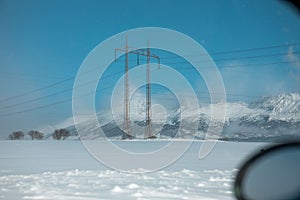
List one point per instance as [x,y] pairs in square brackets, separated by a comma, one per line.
[65,170]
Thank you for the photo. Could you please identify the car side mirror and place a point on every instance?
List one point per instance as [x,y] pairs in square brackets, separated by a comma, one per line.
[272,174]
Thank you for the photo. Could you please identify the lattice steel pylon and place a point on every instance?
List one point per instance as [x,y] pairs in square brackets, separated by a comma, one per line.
[139,52]
[126,129]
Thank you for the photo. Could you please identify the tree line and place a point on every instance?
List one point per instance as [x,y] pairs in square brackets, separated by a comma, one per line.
[59,134]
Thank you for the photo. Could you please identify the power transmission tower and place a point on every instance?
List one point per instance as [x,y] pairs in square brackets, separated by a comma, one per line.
[148,93]
[139,52]
[126,130]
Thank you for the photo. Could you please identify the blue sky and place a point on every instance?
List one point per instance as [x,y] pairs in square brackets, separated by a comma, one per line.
[43,42]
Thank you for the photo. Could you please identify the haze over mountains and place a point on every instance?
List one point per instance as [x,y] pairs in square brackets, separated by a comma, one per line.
[269,119]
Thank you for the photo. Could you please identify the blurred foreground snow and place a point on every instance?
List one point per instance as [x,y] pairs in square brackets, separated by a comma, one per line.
[65,170]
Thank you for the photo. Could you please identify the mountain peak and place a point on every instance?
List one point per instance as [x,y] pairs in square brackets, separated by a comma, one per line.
[284,106]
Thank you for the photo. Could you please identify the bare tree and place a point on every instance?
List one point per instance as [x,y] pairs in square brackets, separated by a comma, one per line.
[36,135]
[60,134]
[17,135]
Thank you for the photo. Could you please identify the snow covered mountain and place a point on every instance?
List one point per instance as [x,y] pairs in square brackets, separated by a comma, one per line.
[269,119]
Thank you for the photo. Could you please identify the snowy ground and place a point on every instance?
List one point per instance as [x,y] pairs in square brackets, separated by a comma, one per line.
[65,170]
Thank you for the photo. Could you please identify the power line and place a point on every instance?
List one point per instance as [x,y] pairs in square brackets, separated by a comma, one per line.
[31,75]
[184,68]
[36,108]
[241,58]
[40,107]
[243,65]
[232,51]
[70,99]
[241,50]
[232,58]
[202,92]
[71,78]
[38,89]
[45,87]
[63,101]
[56,93]
[213,53]
[256,49]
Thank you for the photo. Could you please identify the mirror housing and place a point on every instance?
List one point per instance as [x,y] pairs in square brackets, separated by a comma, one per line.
[272,174]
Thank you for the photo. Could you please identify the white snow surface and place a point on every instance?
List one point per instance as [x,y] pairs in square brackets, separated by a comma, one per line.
[65,170]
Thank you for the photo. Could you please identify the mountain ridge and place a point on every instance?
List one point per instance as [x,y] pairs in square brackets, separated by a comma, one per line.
[269,117]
